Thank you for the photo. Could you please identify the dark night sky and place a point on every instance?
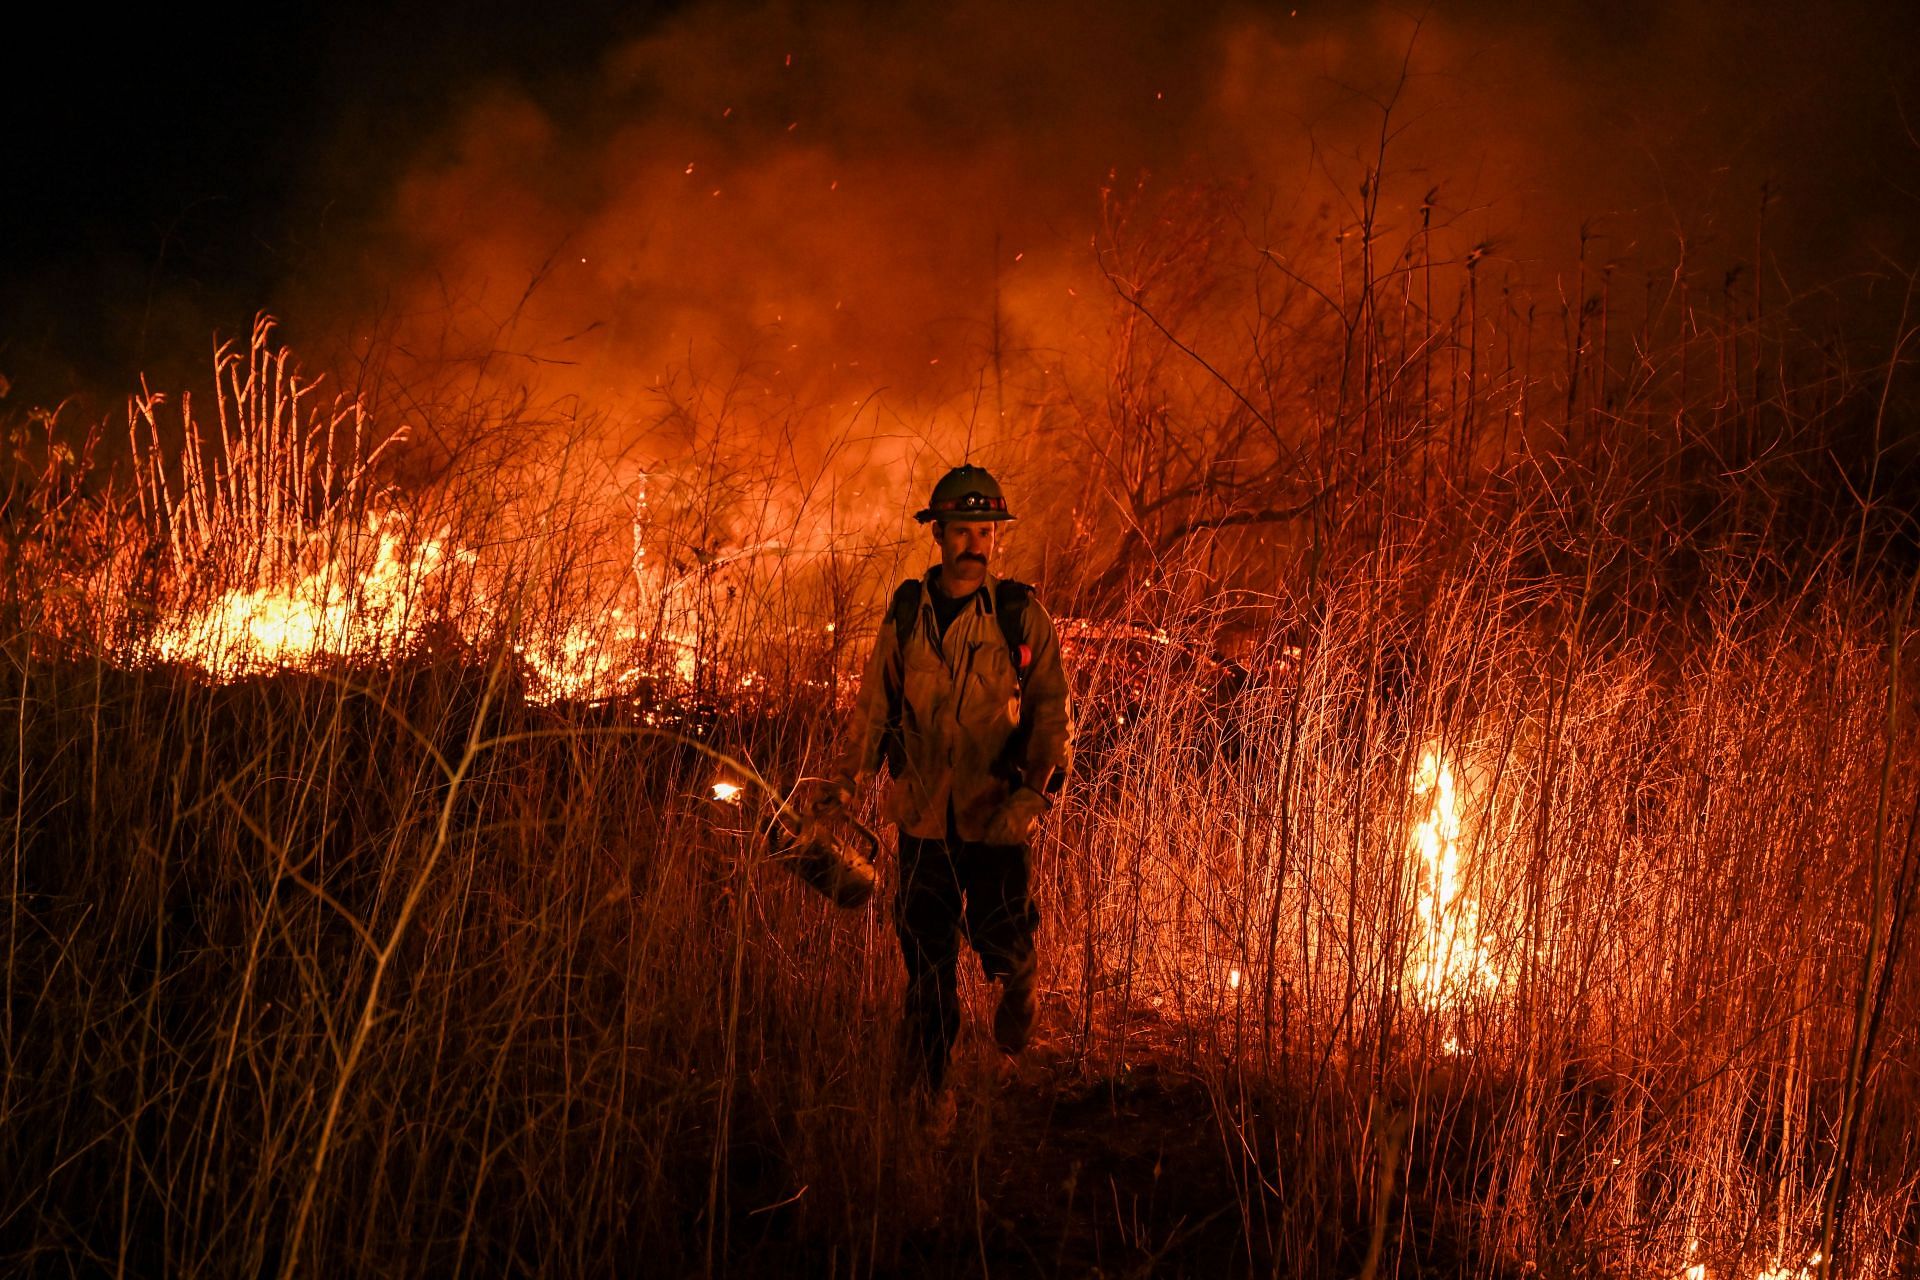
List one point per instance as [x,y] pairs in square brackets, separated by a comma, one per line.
[168,173]
[168,176]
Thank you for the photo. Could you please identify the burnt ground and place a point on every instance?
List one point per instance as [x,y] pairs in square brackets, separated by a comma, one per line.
[1053,1168]
[1058,1166]
[1121,1173]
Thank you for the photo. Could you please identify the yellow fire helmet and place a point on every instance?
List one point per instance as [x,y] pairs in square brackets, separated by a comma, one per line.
[966,493]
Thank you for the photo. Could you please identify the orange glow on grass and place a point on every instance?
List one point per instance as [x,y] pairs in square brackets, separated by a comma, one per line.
[360,603]
[589,663]
[283,551]
[374,598]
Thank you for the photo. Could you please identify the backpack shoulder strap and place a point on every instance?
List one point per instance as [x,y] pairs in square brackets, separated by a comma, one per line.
[905,611]
[904,615]
[1010,607]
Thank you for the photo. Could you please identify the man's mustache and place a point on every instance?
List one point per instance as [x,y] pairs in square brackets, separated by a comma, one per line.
[974,556]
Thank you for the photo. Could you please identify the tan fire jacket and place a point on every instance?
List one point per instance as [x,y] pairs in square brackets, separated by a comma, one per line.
[960,701]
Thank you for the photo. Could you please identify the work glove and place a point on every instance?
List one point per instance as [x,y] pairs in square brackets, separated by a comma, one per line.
[1014,821]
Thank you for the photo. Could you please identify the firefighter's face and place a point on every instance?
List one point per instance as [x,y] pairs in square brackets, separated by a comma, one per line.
[965,548]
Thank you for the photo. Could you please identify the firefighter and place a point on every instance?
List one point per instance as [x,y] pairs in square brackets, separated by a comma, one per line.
[965,699]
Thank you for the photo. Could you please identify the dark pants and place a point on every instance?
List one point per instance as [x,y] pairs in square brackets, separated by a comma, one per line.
[945,886]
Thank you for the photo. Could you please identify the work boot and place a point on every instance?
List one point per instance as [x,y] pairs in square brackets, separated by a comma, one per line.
[1013,1017]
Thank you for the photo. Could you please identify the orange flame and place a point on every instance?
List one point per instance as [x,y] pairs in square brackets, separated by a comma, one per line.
[343,609]
[1449,957]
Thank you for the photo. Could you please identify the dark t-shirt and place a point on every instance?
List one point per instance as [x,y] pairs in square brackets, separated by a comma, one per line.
[946,608]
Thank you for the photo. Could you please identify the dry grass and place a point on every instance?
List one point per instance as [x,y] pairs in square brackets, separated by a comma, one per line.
[380,965]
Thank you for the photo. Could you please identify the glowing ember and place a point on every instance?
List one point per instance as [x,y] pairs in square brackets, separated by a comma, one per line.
[1448,957]
[577,665]
[726,792]
[595,663]
[1233,979]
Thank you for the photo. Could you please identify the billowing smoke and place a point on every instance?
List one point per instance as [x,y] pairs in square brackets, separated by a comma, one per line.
[896,235]
[360,171]
[831,199]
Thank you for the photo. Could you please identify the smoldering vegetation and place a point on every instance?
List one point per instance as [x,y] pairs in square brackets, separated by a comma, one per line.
[1491,852]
